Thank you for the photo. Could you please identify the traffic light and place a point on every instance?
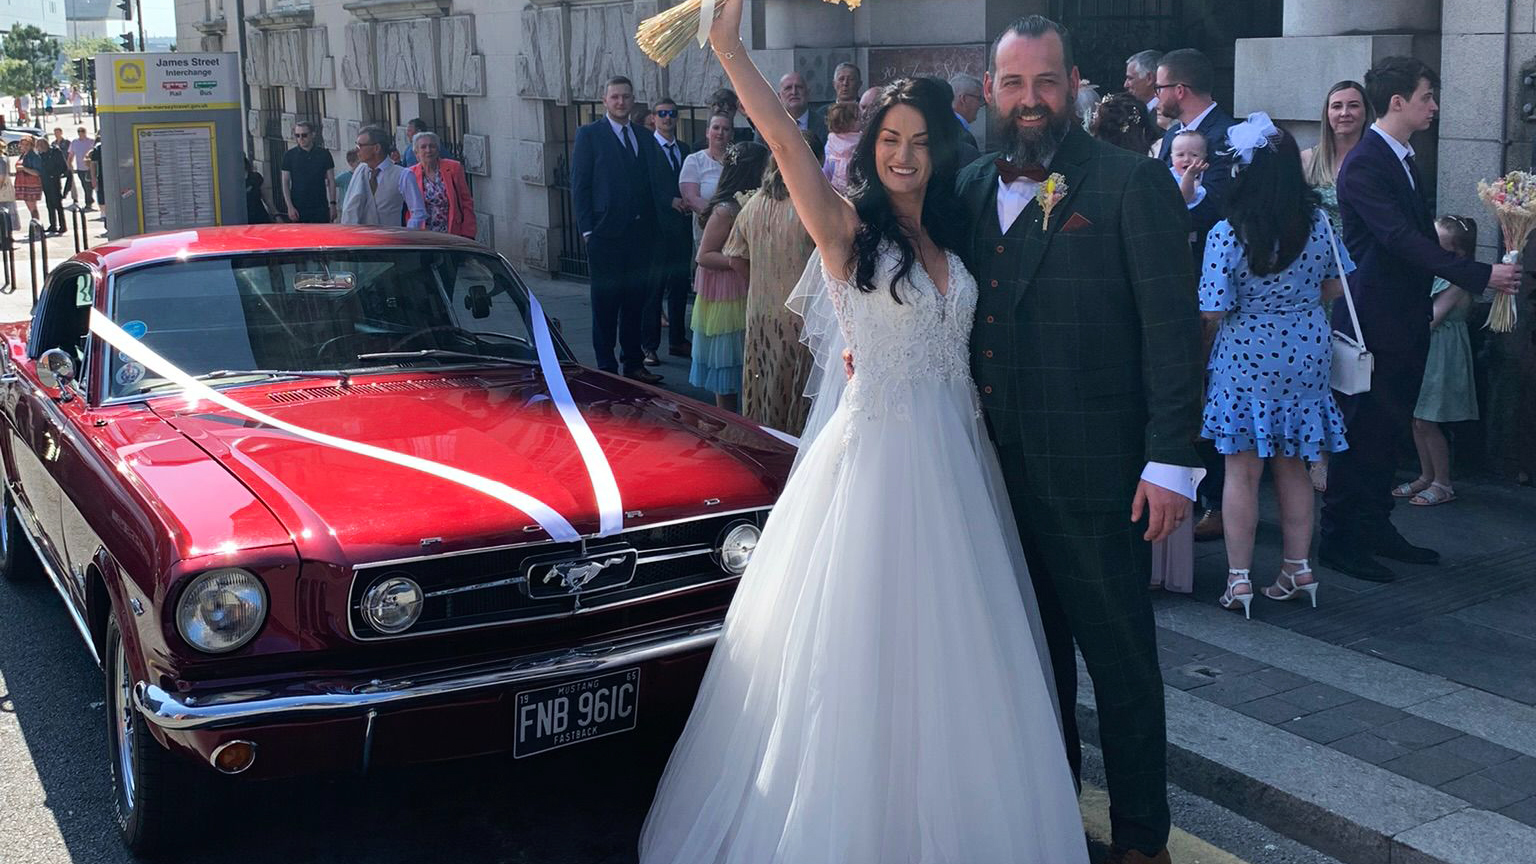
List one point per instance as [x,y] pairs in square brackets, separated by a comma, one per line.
[127,40]
[127,7]
[81,64]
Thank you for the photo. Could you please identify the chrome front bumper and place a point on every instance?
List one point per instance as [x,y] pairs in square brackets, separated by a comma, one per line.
[342,698]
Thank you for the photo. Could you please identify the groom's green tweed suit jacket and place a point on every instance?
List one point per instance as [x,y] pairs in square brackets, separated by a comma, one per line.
[1086,346]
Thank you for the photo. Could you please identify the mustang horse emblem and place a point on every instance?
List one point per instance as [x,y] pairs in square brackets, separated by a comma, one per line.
[575,575]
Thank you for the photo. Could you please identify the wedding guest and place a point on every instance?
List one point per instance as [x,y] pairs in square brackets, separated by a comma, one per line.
[1141,77]
[345,177]
[8,195]
[719,305]
[256,212]
[1449,391]
[794,95]
[413,127]
[1185,79]
[842,139]
[670,282]
[1345,117]
[1188,163]
[309,177]
[79,151]
[967,103]
[29,175]
[450,208]
[724,101]
[867,102]
[847,82]
[965,147]
[1268,266]
[1122,120]
[1389,230]
[769,247]
[701,169]
[55,176]
[382,193]
[615,212]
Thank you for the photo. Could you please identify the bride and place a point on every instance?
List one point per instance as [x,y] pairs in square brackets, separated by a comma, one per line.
[879,693]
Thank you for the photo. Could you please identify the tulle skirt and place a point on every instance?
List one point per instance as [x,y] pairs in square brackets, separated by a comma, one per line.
[878,693]
[719,330]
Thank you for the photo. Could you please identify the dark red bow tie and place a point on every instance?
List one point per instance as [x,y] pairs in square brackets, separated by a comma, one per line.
[1011,172]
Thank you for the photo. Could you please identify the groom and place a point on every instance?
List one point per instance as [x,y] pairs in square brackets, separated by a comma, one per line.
[1086,353]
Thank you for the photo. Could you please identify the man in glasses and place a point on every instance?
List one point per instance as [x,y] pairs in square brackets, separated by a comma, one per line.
[1183,89]
[309,178]
[670,283]
[380,191]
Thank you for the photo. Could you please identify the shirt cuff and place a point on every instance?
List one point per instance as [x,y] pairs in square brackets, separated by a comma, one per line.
[1199,198]
[1175,478]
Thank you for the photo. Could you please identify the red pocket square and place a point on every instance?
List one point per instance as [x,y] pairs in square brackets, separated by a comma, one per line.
[1077,221]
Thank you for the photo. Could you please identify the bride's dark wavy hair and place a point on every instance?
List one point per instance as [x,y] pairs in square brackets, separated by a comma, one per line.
[943,214]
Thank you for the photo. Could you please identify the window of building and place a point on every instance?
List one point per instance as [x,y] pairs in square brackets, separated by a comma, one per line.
[311,107]
[382,109]
[274,139]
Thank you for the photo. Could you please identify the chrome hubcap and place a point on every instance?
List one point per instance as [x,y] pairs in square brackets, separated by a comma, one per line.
[122,729]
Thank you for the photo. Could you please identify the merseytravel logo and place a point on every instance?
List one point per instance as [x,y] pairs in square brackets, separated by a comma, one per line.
[129,75]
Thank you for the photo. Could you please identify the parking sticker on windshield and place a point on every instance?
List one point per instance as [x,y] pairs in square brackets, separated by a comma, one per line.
[129,374]
[136,329]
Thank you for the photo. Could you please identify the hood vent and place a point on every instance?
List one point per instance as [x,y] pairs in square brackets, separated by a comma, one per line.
[309,394]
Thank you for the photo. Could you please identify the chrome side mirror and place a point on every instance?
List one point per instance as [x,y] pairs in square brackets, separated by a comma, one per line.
[56,369]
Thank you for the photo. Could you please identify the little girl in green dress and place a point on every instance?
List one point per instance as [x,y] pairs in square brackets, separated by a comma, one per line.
[1449,392]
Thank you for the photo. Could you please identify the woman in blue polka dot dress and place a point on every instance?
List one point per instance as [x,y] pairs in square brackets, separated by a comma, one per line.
[1268,270]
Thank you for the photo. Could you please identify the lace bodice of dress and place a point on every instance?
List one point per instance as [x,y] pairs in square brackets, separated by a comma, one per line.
[924,338]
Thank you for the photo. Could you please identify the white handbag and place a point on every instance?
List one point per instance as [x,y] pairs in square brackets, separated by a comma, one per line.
[1352,361]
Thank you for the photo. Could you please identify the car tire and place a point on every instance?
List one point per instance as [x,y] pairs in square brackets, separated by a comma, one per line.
[18,560]
[151,791]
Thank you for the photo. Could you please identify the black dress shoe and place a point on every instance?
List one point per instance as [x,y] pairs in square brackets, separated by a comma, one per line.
[651,359]
[1352,560]
[643,376]
[684,351]
[1394,547]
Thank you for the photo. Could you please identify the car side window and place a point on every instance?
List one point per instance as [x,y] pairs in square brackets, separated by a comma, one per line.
[63,317]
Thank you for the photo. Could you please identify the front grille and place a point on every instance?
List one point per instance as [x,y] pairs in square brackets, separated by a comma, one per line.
[480,589]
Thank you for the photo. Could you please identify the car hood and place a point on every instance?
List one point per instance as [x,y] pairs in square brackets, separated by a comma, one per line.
[672,458]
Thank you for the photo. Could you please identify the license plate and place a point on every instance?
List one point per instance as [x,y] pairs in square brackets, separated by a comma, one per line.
[565,714]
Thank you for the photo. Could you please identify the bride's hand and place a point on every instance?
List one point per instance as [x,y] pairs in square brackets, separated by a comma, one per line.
[725,32]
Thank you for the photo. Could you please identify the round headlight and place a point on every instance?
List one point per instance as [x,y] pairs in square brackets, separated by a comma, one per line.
[221,609]
[393,605]
[737,546]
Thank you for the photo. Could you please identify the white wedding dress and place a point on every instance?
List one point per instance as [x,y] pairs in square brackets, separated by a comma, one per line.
[878,694]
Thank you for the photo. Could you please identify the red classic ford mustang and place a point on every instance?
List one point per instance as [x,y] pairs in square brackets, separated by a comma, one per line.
[317,498]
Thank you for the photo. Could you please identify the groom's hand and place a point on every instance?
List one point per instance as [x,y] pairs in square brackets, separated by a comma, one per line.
[1166,510]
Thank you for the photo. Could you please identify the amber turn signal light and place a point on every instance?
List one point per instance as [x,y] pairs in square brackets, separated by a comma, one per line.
[232,757]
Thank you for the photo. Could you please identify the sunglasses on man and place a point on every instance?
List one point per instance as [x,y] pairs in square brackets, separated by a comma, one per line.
[301,134]
[667,112]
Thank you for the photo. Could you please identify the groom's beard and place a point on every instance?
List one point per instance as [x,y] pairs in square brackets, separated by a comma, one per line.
[1033,146]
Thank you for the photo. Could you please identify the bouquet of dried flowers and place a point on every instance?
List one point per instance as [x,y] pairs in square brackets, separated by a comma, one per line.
[1513,201]
[664,36]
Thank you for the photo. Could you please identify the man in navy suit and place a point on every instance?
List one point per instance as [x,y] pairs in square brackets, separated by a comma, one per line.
[670,283]
[1390,232]
[1184,79]
[616,212]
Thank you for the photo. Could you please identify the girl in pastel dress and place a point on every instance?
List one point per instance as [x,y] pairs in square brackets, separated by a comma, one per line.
[1449,391]
[720,301]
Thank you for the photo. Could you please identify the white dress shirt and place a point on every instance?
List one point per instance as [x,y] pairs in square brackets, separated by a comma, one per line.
[618,132]
[1012,199]
[1402,150]
[804,120]
[663,143]
[397,190]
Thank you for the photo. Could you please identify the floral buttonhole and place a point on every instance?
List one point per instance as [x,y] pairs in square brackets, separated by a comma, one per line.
[1049,195]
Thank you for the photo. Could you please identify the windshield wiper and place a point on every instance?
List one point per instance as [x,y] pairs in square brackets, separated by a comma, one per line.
[443,354]
[344,377]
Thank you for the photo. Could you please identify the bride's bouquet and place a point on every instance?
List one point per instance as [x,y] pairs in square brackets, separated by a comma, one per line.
[664,36]
[1513,201]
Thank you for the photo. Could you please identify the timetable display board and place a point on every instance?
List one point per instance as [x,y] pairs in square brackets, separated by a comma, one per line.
[171,137]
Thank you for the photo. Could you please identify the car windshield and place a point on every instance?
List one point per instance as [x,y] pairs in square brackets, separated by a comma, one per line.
[261,316]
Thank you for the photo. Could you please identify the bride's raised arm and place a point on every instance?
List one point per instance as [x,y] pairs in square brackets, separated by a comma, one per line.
[827,216]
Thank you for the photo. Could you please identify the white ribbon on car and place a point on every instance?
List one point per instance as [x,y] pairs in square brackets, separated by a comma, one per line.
[610,507]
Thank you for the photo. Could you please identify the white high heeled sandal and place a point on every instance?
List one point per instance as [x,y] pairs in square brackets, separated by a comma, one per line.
[1231,600]
[1295,590]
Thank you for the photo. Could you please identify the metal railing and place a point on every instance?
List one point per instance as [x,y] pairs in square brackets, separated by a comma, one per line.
[7,255]
[79,228]
[37,252]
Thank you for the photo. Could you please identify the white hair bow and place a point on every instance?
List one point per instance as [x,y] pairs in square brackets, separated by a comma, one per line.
[1251,134]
